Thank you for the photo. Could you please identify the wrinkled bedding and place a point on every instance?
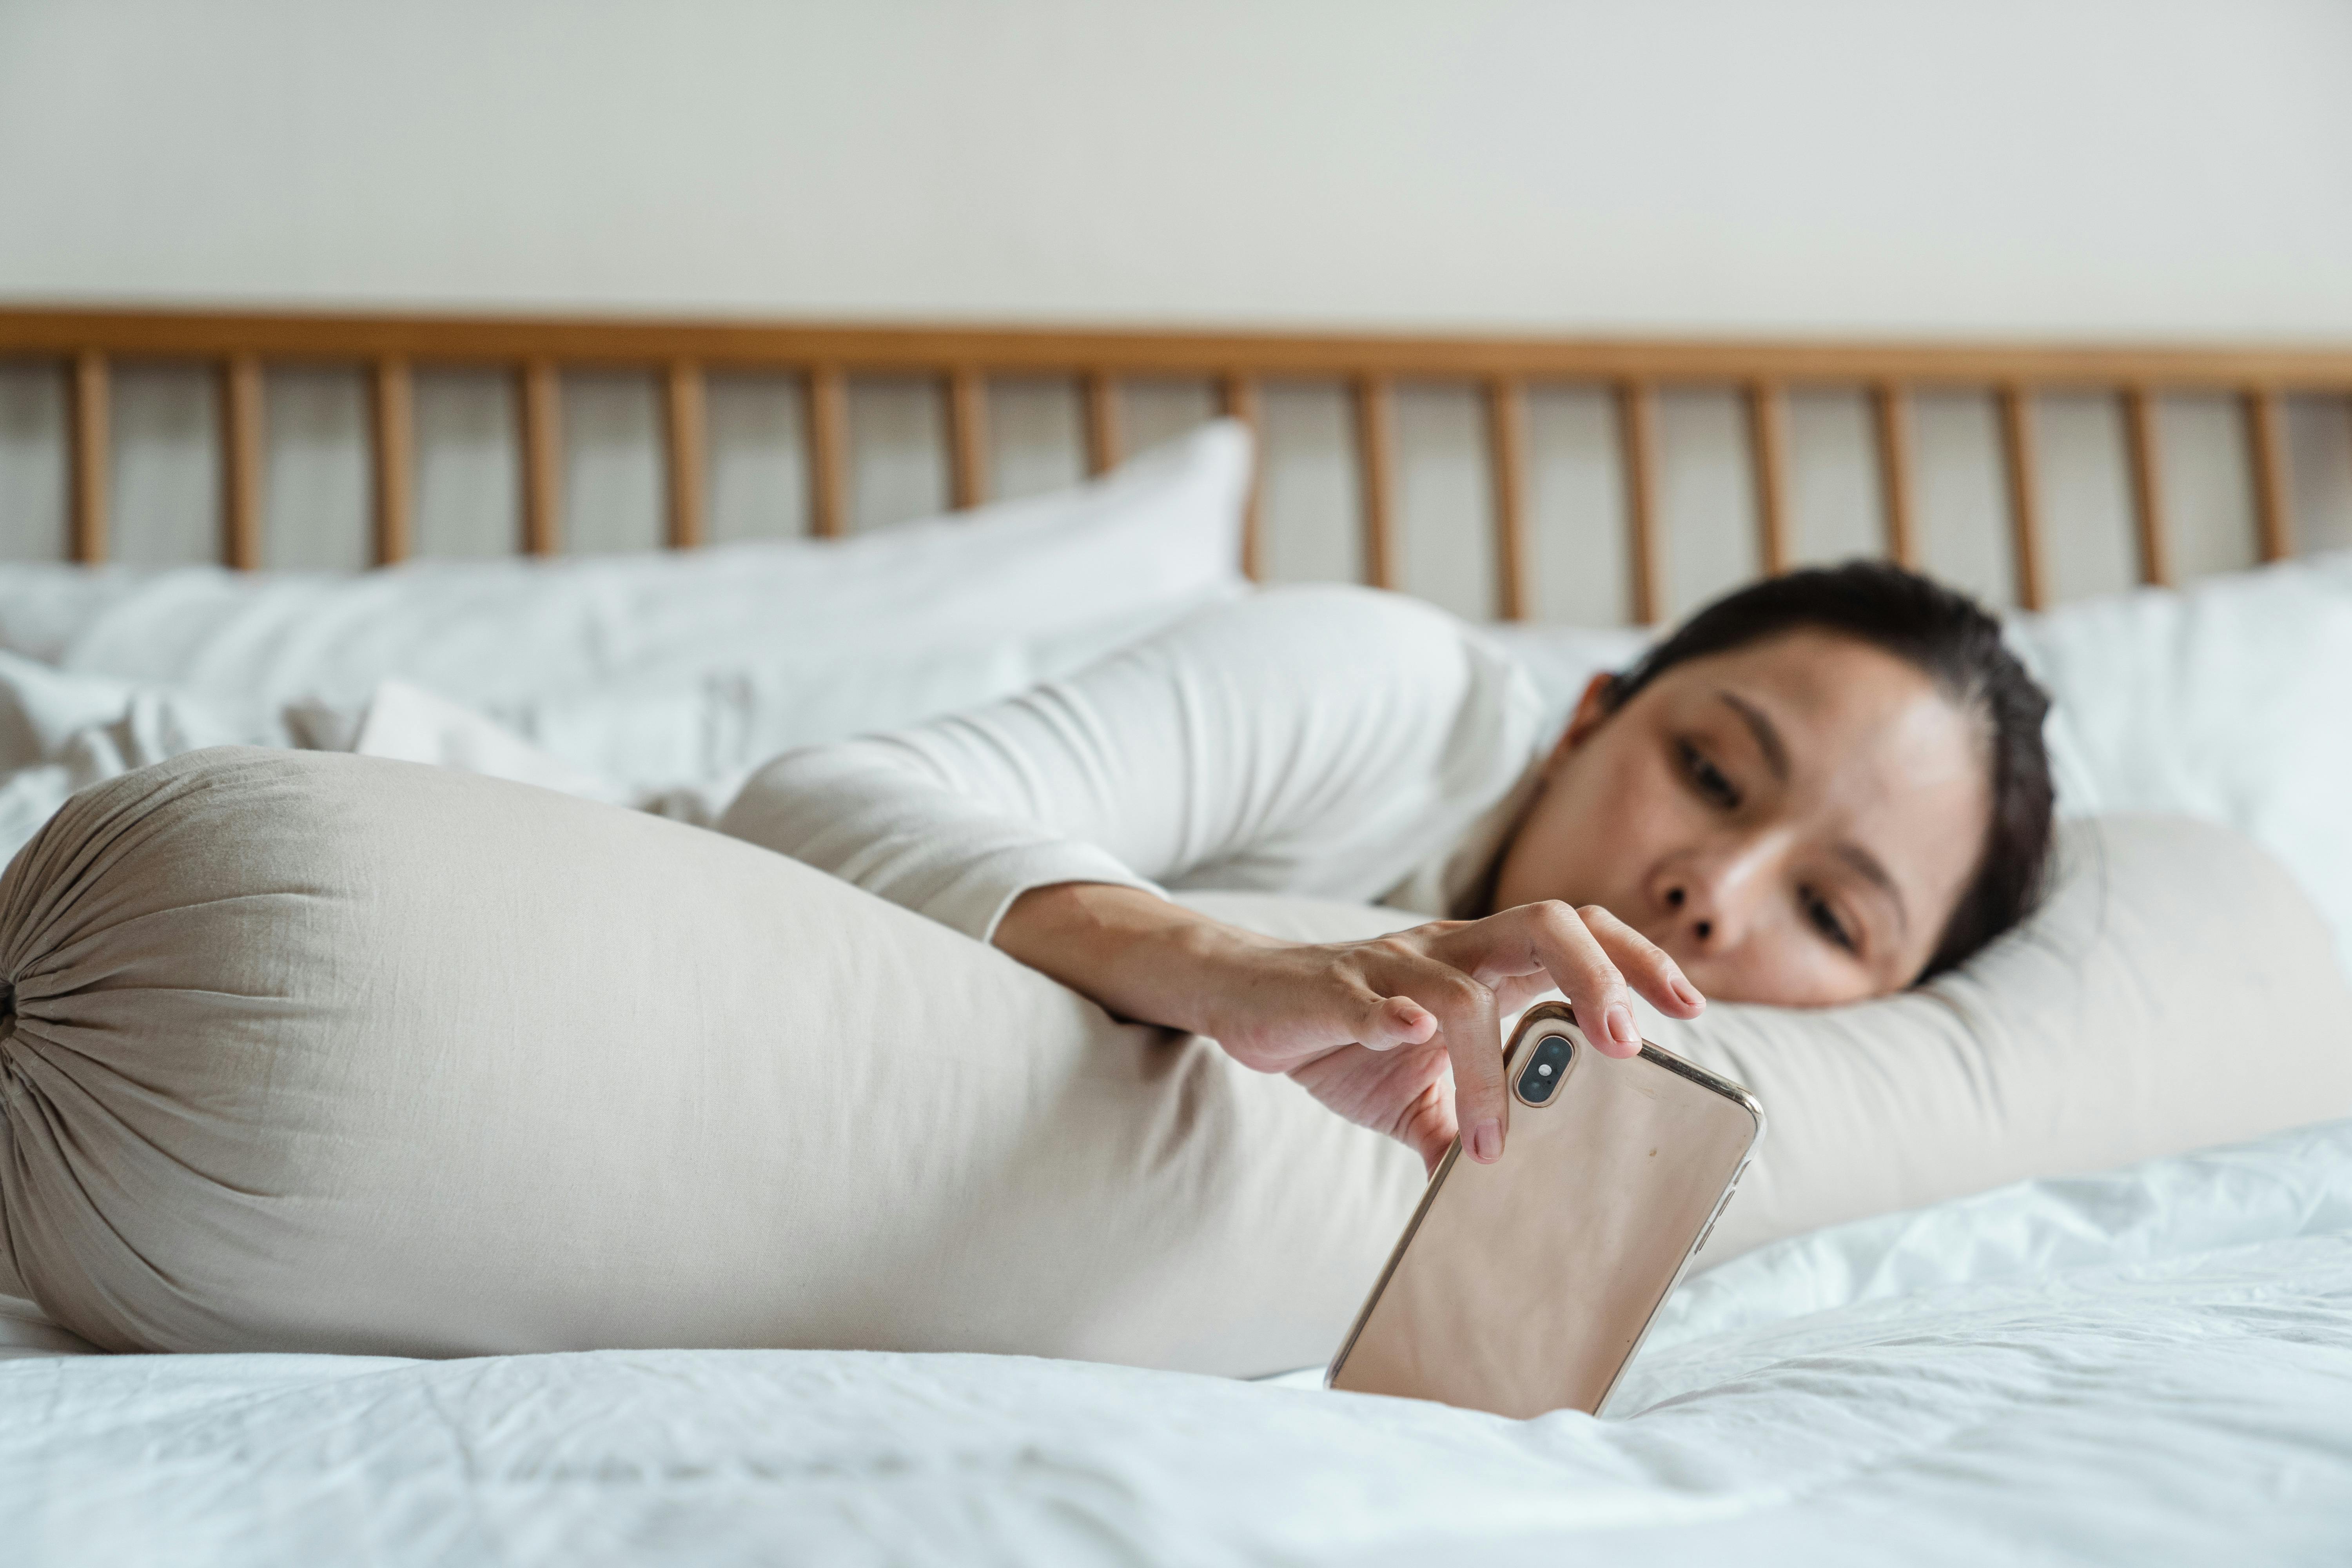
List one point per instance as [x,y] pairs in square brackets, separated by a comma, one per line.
[2152,1365]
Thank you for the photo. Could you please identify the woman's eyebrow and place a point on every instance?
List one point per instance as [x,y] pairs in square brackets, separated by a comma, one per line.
[1766,733]
[1874,872]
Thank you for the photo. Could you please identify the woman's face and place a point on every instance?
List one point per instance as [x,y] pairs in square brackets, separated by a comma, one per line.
[1794,821]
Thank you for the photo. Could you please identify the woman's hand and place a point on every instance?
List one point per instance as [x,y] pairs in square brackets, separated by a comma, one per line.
[1370,1028]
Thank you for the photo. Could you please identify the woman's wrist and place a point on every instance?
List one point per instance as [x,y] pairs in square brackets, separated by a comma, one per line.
[1137,954]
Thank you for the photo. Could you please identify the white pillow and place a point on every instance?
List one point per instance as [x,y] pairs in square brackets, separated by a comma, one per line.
[1163,529]
[667,731]
[2333,566]
[1564,659]
[657,678]
[677,744]
[2230,701]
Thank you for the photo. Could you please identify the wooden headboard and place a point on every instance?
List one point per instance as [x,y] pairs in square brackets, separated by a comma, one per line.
[85,343]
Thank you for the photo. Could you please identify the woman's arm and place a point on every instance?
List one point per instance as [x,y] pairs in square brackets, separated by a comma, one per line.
[1371,1028]
[1321,742]
[1324,741]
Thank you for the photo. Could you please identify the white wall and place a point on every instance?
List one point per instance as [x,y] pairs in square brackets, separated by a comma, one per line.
[2168,168]
[2072,166]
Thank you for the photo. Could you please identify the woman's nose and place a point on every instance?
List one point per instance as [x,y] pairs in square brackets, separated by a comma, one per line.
[1700,921]
[1707,903]
[1694,916]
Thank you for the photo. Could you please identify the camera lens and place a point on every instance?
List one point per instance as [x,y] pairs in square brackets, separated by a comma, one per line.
[1546,1064]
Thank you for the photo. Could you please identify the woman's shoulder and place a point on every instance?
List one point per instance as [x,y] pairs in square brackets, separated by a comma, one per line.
[1364,657]
[1361,629]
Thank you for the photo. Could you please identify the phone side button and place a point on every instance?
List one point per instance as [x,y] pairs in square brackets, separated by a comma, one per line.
[1721,1203]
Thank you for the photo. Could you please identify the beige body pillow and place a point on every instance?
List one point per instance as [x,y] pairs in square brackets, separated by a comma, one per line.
[319,1052]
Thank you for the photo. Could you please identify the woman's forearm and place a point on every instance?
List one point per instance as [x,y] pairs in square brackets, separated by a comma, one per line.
[1369,1028]
[1140,955]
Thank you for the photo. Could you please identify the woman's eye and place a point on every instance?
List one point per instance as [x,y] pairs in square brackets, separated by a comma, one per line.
[1825,918]
[1707,777]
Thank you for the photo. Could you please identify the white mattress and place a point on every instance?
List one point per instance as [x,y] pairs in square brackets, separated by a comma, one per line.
[2150,1366]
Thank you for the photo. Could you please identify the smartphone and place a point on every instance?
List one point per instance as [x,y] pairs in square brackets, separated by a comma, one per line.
[1526,1286]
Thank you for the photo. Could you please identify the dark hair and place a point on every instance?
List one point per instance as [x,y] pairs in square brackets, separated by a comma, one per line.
[1948,636]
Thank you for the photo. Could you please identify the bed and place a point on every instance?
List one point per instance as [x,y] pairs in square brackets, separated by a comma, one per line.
[2145,1364]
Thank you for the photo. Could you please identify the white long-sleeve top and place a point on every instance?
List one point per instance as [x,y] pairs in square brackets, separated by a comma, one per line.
[1333,741]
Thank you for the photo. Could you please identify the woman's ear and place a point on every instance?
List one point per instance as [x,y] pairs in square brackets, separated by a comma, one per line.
[1591,709]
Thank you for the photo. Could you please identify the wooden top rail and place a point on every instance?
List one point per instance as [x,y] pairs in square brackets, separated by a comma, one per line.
[536,350]
[589,341]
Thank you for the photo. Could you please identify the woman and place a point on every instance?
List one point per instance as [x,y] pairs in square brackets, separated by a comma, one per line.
[1824,787]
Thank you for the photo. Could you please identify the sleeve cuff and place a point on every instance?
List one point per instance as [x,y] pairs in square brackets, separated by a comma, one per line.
[975,901]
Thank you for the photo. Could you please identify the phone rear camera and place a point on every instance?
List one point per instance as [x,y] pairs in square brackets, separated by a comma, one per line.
[1546,1064]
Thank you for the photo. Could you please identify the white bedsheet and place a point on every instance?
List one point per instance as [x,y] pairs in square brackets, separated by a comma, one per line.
[2150,1366]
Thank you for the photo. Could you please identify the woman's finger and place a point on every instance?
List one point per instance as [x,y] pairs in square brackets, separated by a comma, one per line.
[1554,939]
[1514,992]
[1384,1022]
[1316,1004]
[1427,1126]
[1466,1023]
[1644,965]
